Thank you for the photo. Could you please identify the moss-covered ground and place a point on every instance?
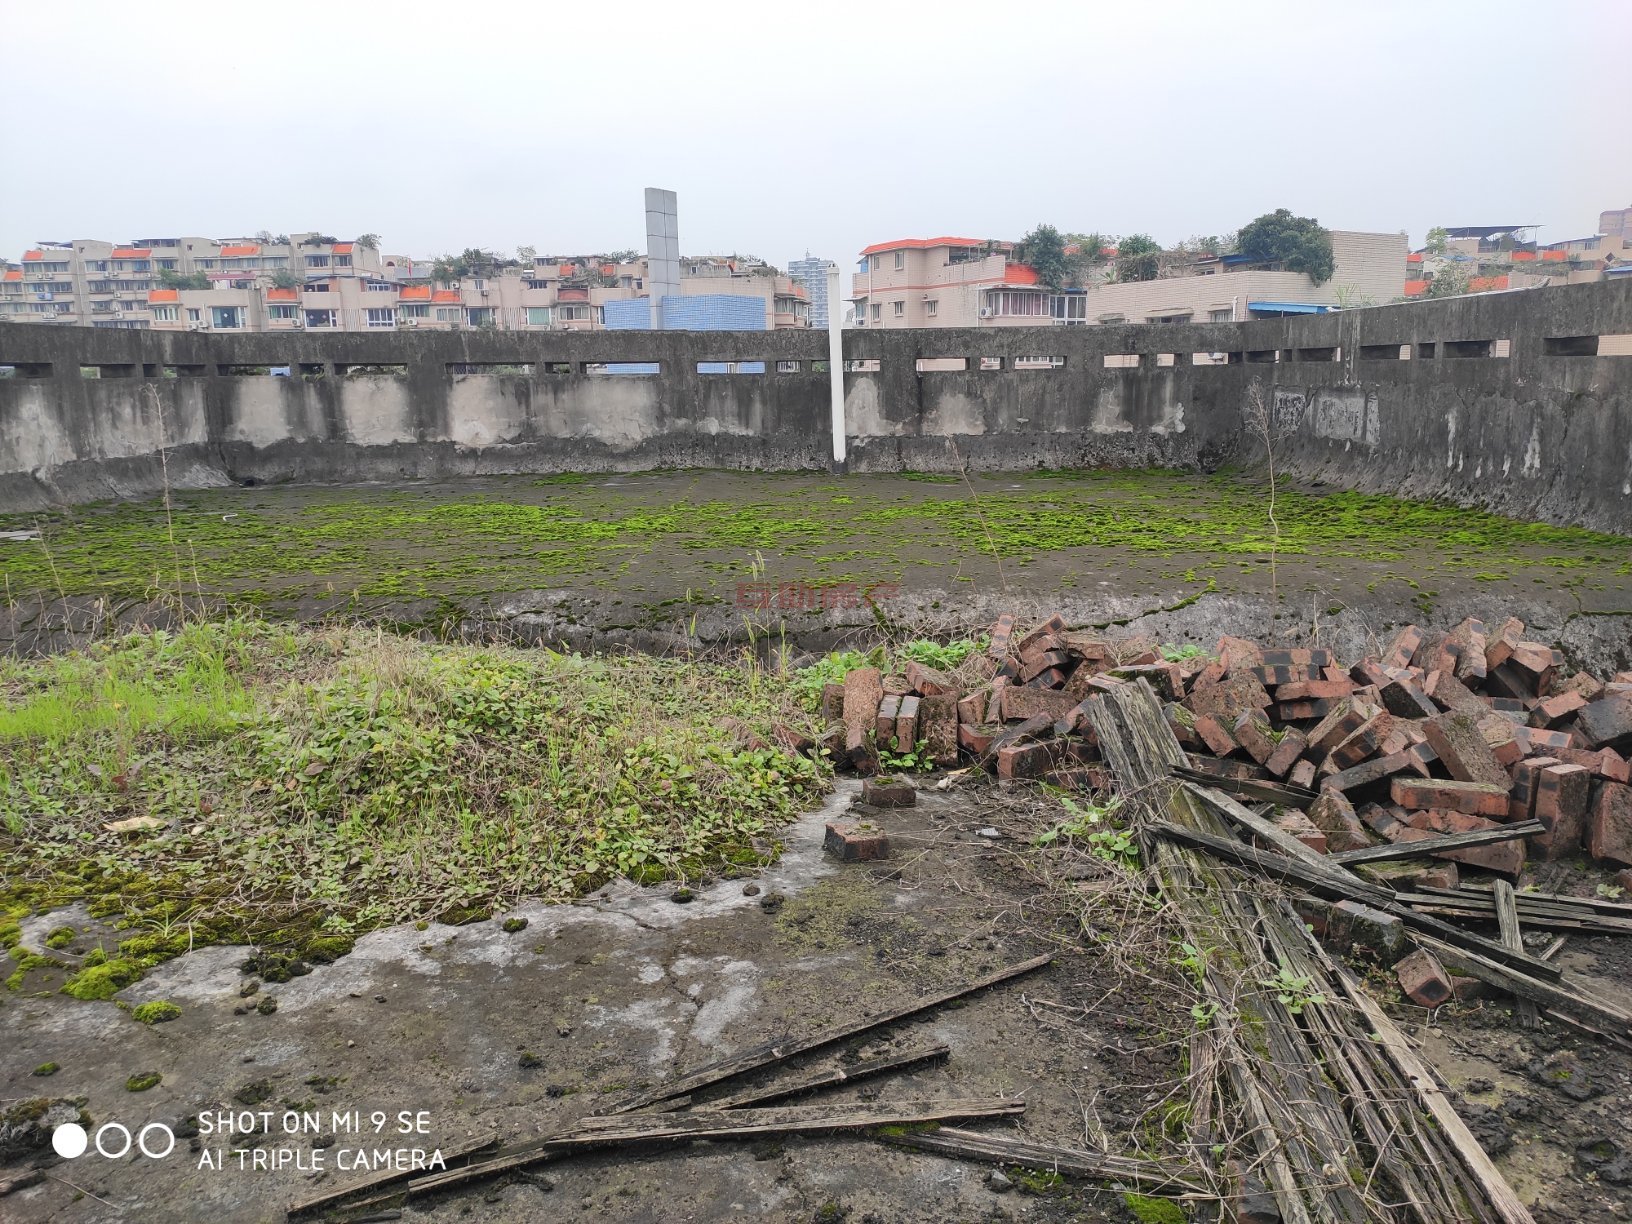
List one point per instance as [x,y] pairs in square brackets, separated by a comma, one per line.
[241,782]
[657,542]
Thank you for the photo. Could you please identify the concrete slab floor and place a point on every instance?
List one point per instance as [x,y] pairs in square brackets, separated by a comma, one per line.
[519,1032]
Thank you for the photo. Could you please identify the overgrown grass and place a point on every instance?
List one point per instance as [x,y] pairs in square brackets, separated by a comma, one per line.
[305,786]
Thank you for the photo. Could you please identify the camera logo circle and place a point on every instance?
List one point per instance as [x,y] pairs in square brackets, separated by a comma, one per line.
[155,1140]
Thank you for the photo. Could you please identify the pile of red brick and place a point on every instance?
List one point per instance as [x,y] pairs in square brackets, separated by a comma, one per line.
[1443,733]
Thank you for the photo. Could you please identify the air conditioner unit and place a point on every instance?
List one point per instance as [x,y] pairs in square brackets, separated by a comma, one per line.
[985,312]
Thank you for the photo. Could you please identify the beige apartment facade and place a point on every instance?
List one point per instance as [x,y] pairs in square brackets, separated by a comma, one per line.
[962,282]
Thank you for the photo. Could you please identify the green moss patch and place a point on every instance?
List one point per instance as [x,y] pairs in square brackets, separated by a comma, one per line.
[143,1080]
[159,1011]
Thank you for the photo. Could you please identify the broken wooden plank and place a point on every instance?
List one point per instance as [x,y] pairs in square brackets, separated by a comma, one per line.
[831,1077]
[784,1048]
[476,1151]
[1265,792]
[1509,1208]
[1147,1175]
[1551,994]
[1507,921]
[1429,846]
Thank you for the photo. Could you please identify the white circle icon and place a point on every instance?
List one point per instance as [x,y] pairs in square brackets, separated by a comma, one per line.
[70,1140]
[170,1135]
[104,1129]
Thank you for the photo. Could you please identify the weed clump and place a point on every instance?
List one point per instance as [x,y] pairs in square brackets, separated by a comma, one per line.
[143,1080]
[159,1011]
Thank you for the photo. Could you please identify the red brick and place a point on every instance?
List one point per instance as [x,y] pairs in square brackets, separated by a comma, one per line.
[1238,654]
[906,725]
[1251,731]
[1334,816]
[1228,697]
[1345,718]
[1163,677]
[1053,678]
[1287,752]
[1441,875]
[884,722]
[1053,625]
[1183,725]
[938,725]
[977,737]
[994,706]
[1367,772]
[1605,763]
[1499,645]
[889,793]
[1474,798]
[1381,820]
[1501,737]
[1286,673]
[1034,647]
[1449,693]
[1215,735]
[972,709]
[856,841]
[1302,774]
[1584,683]
[1240,771]
[1531,741]
[1469,637]
[1025,760]
[1022,703]
[1403,646]
[1403,695]
[1299,711]
[1609,828]
[1044,661]
[1080,777]
[1306,690]
[1521,800]
[1562,793]
[1363,743]
[1002,632]
[1505,857]
[1352,923]
[1552,712]
[1461,746]
[1472,990]
[863,691]
[790,740]
[896,686]
[1537,663]
[1424,980]
[832,702]
[1295,824]
[927,681]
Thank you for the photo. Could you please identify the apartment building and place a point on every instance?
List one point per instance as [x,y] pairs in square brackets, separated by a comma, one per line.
[314,283]
[1489,259]
[966,282]
[812,274]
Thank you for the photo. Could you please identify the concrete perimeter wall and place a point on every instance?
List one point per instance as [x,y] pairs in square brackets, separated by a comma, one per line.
[1502,403]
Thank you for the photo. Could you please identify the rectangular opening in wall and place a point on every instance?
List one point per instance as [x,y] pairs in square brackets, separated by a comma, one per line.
[117,371]
[1167,359]
[149,370]
[942,365]
[1615,345]
[789,367]
[820,367]
[243,371]
[183,371]
[625,369]
[1121,361]
[991,363]
[862,365]
[1501,348]
[1261,356]
[1316,354]
[1289,355]
[1570,346]
[1384,352]
[313,369]
[1468,348]
[730,367]
[363,370]
[1209,359]
[86,371]
[556,367]
[1425,352]
[462,369]
[1039,363]
[31,369]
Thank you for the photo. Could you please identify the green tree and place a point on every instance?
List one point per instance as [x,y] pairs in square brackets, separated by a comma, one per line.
[526,254]
[1298,244]
[369,241]
[1438,241]
[313,240]
[1448,280]
[285,279]
[1091,247]
[1043,251]
[1138,258]
[169,278]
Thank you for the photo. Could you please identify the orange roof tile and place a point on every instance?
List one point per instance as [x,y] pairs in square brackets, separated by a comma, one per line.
[445,295]
[1484,284]
[1521,256]
[1557,255]
[33,254]
[342,248]
[415,293]
[1413,258]
[14,274]
[131,253]
[282,295]
[161,295]
[246,248]
[1415,288]
[921,244]
[1019,274]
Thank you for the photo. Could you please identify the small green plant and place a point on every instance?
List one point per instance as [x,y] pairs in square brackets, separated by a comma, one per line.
[1177,654]
[142,1081]
[1610,892]
[1295,991]
[44,1069]
[1113,845]
[918,759]
[157,1012]
[512,925]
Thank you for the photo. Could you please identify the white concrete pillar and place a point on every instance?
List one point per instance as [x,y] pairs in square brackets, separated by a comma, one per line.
[835,364]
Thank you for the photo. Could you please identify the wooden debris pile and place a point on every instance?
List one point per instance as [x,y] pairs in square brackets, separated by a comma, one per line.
[1475,742]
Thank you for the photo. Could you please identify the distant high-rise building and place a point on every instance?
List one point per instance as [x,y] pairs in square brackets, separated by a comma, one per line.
[812,273]
[1617,222]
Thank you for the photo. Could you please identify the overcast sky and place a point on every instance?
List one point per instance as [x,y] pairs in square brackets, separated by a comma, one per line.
[823,125]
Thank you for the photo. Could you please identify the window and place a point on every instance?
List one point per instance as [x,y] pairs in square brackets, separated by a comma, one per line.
[448,314]
[877,311]
[1225,315]
[574,313]
[878,263]
[413,312]
[320,318]
[280,312]
[206,263]
[931,309]
[163,263]
[164,314]
[226,316]
[379,286]
[1069,307]
[382,316]
[899,309]
[315,261]
[101,265]
[900,260]
[194,314]
[479,316]
[538,316]
[1002,302]
[342,261]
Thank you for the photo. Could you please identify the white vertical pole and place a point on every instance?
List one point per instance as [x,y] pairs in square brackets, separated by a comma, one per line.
[835,364]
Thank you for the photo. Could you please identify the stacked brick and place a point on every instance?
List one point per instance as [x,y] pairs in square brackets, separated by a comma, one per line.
[1439,733]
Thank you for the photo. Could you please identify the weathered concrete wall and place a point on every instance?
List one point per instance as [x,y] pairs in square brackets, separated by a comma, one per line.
[1533,432]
